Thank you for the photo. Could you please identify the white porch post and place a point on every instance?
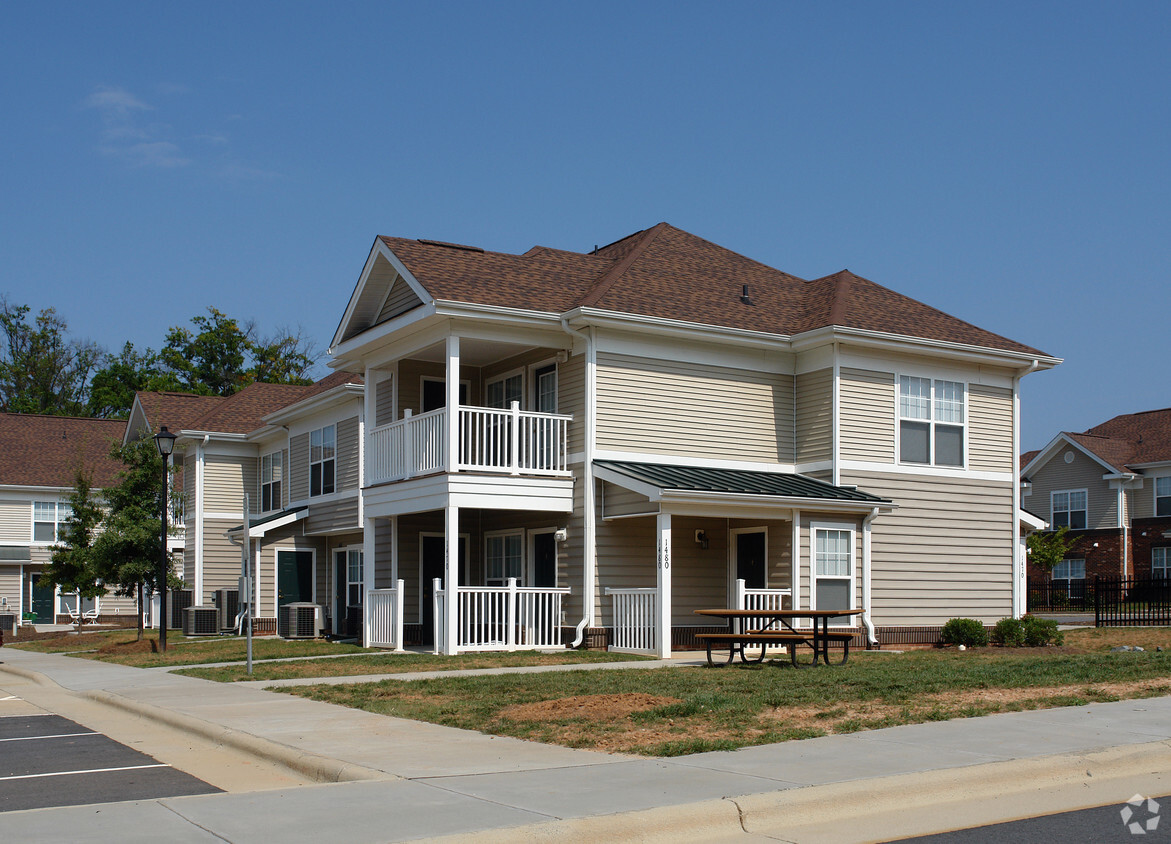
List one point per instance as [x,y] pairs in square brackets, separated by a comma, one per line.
[452,412]
[796,564]
[450,579]
[368,563]
[663,605]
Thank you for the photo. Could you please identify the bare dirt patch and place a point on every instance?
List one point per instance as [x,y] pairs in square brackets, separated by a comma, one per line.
[145,646]
[585,707]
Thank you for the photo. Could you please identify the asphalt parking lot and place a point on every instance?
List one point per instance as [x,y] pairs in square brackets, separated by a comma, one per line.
[47,760]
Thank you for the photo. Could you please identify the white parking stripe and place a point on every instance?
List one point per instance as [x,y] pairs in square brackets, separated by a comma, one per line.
[90,771]
[59,735]
[29,715]
[10,697]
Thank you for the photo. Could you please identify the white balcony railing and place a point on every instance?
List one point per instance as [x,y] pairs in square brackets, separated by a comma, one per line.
[490,440]
[384,618]
[501,618]
[634,620]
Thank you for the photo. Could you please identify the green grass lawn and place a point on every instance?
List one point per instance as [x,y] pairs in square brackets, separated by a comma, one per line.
[671,711]
[390,663]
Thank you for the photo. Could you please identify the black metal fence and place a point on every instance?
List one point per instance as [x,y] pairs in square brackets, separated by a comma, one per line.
[1060,596]
[1131,602]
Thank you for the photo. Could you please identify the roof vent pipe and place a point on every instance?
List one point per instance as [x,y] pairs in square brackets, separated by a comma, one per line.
[744,296]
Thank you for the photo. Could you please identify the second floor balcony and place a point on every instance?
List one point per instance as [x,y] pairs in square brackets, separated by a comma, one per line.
[509,442]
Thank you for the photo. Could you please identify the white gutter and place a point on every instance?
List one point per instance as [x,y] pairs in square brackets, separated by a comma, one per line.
[867,622]
[1018,562]
[200,460]
[589,533]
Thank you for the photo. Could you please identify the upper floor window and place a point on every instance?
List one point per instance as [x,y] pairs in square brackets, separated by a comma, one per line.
[322,460]
[504,391]
[931,421]
[1160,563]
[49,518]
[271,472]
[1069,509]
[1163,496]
[545,382]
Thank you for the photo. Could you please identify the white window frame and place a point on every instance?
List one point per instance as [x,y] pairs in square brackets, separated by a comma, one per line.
[437,379]
[531,551]
[1068,570]
[850,529]
[1068,510]
[501,378]
[535,385]
[350,550]
[62,510]
[931,421]
[279,484]
[522,570]
[322,461]
[1166,495]
[1164,564]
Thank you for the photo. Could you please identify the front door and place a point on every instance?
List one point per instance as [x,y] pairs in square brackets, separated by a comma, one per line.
[432,550]
[339,593]
[544,559]
[294,577]
[750,559]
[42,602]
[435,394]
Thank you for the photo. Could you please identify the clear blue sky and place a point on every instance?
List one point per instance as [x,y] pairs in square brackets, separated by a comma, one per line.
[1005,162]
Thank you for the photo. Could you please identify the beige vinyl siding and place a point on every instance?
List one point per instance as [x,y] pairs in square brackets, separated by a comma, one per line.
[691,410]
[10,587]
[298,467]
[16,521]
[699,576]
[225,480]
[39,553]
[990,428]
[329,516]
[410,373]
[814,412]
[190,506]
[830,521]
[571,555]
[945,552]
[347,454]
[626,560]
[383,540]
[867,401]
[221,560]
[117,605]
[571,399]
[1083,473]
[617,501]
[400,300]
[1142,501]
[384,401]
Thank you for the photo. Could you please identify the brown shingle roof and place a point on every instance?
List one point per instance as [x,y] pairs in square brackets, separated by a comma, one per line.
[48,450]
[175,410]
[667,273]
[1130,439]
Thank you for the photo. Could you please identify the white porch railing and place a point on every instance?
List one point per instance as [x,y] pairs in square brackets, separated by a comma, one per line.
[490,440]
[634,620]
[384,617]
[762,599]
[501,618]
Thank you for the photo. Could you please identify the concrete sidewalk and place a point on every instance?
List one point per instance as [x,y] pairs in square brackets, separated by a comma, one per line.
[397,780]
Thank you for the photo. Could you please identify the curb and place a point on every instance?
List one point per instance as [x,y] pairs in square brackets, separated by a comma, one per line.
[918,803]
[318,768]
[36,676]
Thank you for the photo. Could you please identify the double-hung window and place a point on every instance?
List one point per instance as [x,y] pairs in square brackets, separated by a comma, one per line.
[1069,576]
[502,392]
[833,565]
[1160,563]
[1069,509]
[504,554]
[1163,496]
[322,458]
[931,421]
[354,578]
[271,472]
[49,518]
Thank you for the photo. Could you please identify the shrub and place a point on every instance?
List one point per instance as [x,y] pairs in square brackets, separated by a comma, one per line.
[1009,632]
[964,631]
[1041,631]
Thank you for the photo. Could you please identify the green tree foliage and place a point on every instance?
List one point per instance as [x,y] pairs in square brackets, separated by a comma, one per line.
[126,554]
[72,564]
[283,358]
[1048,548]
[112,389]
[41,369]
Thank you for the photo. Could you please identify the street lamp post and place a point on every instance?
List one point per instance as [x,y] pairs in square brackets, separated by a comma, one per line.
[165,440]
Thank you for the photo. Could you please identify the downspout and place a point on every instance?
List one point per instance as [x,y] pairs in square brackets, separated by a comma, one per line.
[589,538]
[200,461]
[1018,563]
[871,639]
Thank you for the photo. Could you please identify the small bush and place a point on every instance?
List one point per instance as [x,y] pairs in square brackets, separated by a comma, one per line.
[1041,631]
[964,631]
[1009,632]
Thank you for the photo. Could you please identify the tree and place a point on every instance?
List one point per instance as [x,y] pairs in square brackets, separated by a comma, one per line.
[126,554]
[112,389]
[1048,548]
[72,564]
[283,358]
[41,369]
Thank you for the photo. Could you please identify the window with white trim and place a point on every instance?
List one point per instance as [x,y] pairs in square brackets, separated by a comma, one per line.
[931,421]
[49,519]
[545,386]
[833,565]
[1068,507]
[502,392]
[504,557]
[1163,496]
[354,578]
[1161,563]
[322,454]
[271,474]
[1070,570]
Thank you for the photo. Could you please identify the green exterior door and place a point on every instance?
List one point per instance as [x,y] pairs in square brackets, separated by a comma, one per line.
[294,577]
[43,600]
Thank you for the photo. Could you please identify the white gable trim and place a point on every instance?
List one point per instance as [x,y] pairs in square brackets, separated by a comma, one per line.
[378,249]
[1056,444]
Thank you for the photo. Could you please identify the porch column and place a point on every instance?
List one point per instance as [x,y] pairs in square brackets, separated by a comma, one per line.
[452,411]
[368,563]
[450,579]
[663,605]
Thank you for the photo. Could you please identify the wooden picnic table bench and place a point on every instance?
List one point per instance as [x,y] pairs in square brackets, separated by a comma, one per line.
[818,637]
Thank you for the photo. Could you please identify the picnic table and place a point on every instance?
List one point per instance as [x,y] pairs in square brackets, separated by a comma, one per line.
[776,627]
